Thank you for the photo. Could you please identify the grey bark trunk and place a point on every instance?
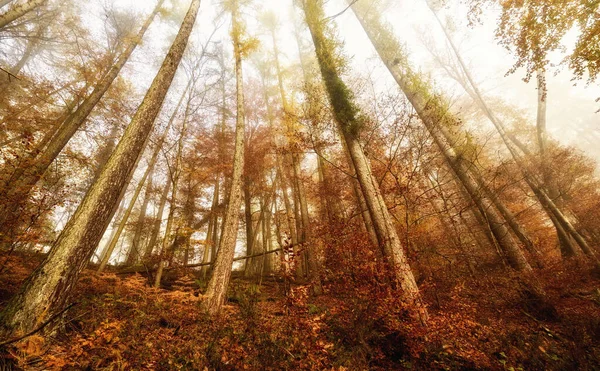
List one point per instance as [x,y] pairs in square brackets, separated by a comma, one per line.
[48,288]
[221,274]
[18,188]
[435,117]
[17,11]
[345,113]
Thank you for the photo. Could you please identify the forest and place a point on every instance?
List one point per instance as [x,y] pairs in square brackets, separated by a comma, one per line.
[299,185]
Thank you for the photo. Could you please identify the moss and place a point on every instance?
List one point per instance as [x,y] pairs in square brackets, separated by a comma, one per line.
[346,112]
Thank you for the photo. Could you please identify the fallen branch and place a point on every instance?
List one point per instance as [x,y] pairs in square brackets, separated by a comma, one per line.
[195,265]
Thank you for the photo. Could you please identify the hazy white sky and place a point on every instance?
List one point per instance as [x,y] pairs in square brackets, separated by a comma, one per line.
[571,109]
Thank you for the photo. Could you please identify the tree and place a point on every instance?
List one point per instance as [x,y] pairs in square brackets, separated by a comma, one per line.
[18,10]
[349,121]
[434,114]
[556,215]
[221,274]
[47,290]
[533,29]
[18,187]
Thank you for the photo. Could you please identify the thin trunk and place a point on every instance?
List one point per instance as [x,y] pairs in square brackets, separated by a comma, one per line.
[434,115]
[18,188]
[212,228]
[248,217]
[17,11]
[167,250]
[158,222]
[346,115]
[47,290]
[221,274]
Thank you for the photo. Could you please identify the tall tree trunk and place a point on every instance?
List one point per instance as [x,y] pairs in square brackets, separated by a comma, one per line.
[17,11]
[433,113]
[212,228]
[167,249]
[564,240]
[46,291]
[346,115]
[158,222]
[249,223]
[147,173]
[221,274]
[19,186]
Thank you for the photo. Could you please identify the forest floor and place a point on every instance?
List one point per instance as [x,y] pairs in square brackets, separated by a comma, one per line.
[485,322]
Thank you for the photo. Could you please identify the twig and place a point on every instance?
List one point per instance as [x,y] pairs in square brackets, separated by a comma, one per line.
[10,74]
[530,316]
[6,342]
[342,12]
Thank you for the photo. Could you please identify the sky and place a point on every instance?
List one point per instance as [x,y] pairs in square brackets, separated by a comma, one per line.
[572,117]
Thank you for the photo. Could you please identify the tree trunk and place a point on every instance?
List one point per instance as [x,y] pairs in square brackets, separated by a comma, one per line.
[158,222]
[212,228]
[47,290]
[346,114]
[17,11]
[249,226]
[167,249]
[434,115]
[468,83]
[221,274]
[19,186]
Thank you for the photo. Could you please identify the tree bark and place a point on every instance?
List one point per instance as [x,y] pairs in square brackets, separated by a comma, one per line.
[433,113]
[346,115]
[221,274]
[48,288]
[17,11]
[19,186]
